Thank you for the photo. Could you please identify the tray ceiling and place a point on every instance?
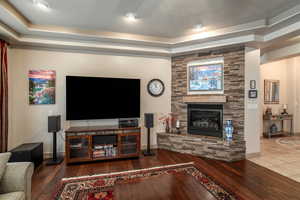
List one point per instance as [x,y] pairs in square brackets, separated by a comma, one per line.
[159,18]
[162,28]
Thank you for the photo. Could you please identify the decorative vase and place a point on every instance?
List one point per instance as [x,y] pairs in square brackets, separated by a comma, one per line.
[229,129]
[273,128]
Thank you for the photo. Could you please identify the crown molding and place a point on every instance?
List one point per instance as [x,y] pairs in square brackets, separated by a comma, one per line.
[284,16]
[8,32]
[284,31]
[14,12]
[281,53]
[222,33]
[21,32]
[28,41]
[245,39]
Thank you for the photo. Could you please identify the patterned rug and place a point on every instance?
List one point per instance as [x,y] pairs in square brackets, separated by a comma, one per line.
[290,142]
[101,187]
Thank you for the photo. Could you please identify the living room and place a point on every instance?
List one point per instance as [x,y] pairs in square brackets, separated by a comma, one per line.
[140,100]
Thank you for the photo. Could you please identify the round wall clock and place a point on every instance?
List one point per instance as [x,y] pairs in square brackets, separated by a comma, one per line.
[156,87]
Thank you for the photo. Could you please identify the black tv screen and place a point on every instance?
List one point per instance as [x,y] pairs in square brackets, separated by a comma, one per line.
[102,98]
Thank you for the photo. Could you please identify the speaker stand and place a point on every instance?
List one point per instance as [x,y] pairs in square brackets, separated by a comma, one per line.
[148,152]
[55,159]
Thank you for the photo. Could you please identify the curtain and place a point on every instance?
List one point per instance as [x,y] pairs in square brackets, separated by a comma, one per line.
[3,97]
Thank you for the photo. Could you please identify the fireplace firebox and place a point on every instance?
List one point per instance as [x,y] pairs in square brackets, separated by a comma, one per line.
[205,119]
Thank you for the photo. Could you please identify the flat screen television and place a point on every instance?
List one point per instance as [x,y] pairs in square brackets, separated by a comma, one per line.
[102,98]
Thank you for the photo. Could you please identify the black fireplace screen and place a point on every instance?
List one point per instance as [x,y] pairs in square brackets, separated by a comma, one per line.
[205,120]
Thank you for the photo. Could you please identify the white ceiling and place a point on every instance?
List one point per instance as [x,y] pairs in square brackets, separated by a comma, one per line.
[159,18]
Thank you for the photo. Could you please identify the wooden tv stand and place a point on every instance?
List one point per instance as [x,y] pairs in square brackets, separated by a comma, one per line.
[94,143]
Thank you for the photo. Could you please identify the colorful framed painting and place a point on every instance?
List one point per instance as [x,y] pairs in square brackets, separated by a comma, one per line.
[41,87]
[206,77]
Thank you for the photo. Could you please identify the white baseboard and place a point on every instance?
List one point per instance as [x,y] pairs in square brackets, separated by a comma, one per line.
[48,155]
[252,155]
[143,147]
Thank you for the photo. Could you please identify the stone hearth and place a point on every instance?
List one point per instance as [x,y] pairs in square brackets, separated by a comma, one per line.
[232,101]
[202,146]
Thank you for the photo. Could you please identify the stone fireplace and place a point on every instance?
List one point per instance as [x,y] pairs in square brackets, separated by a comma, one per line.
[202,116]
[205,119]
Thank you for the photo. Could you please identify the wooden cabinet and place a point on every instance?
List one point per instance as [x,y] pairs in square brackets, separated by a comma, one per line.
[78,148]
[101,143]
[129,144]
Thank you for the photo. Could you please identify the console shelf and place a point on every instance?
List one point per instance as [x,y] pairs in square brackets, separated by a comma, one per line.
[94,143]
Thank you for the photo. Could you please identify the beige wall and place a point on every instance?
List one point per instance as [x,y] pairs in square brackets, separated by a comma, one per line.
[29,123]
[253,109]
[275,71]
[293,89]
[288,72]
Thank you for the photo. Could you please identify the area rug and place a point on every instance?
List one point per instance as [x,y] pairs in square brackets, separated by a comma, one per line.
[290,142]
[101,187]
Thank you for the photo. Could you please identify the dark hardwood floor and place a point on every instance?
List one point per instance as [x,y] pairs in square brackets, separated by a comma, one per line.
[176,186]
[247,179]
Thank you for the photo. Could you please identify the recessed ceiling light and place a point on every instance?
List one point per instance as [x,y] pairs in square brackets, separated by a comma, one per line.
[41,4]
[131,17]
[198,27]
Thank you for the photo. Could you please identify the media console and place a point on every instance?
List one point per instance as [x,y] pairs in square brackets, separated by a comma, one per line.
[94,143]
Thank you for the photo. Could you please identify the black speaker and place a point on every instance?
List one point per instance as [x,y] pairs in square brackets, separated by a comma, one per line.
[54,124]
[149,120]
[148,124]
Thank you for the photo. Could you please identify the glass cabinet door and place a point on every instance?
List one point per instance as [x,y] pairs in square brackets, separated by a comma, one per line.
[128,144]
[78,147]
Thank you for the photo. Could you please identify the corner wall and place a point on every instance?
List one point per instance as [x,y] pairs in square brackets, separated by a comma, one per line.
[253,114]
[28,123]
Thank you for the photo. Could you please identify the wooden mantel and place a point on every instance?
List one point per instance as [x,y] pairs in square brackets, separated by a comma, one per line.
[205,99]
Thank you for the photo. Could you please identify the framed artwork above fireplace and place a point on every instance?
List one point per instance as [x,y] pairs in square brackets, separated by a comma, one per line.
[206,76]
